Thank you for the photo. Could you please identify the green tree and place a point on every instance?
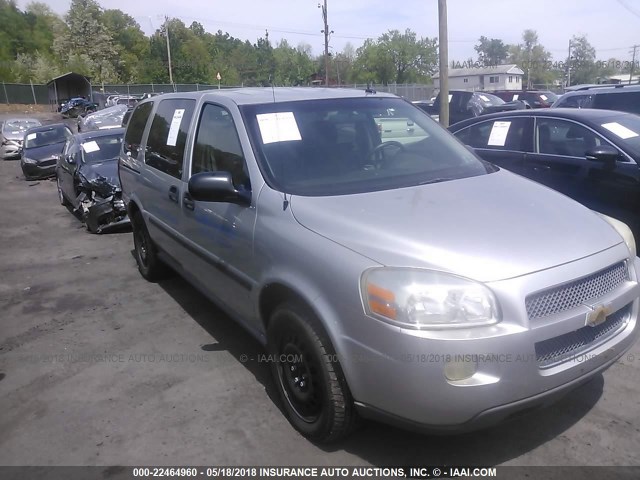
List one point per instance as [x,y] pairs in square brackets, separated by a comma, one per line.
[397,57]
[491,51]
[86,44]
[533,59]
[130,43]
[583,61]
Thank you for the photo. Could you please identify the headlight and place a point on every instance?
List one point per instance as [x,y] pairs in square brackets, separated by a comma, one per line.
[417,298]
[28,160]
[624,231]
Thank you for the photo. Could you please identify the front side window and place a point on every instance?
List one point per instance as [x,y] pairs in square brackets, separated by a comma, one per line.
[217,147]
[168,135]
[503,134]
[342,146]
[561,137]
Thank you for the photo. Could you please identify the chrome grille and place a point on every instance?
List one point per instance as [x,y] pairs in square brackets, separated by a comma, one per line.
[565,347]
[570,295]
[46,163]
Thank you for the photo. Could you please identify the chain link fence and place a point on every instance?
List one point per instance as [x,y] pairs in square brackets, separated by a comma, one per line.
[26,94]
[38,94]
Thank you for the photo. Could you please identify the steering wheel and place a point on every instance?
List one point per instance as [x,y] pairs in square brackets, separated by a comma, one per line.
[379,150]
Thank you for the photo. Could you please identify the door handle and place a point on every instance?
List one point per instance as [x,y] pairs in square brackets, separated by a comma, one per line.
[173,193]
[541,168]
[188,203]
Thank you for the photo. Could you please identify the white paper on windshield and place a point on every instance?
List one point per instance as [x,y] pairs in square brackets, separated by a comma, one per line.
[31,136]
[499,133]
[515,97]
[620,130]
[544,97]
[484,97]
[90,147]
[278,127]
[172,138]
[450,97]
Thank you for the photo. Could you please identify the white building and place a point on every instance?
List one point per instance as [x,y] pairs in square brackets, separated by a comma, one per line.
[499,77]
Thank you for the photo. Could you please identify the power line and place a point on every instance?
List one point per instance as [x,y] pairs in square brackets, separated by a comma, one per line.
[632,10]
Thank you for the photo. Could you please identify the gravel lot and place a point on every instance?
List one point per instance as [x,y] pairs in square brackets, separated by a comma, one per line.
[99,367]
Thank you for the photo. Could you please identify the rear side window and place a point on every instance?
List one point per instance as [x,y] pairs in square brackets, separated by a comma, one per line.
[168,135]
[625,102]
[576,101]
[135,129]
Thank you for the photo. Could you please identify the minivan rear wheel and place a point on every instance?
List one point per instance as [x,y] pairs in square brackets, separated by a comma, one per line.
[146,252]
[308,375]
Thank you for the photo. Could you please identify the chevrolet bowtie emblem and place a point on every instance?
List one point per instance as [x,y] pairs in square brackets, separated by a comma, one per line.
[597,315]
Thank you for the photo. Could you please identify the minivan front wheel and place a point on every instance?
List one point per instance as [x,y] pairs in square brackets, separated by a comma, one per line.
[308,375]
[146,253]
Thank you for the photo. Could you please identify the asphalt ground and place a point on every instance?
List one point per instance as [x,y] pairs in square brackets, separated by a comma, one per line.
[100,367]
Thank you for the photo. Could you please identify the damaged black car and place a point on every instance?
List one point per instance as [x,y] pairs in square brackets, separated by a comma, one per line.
[87,178]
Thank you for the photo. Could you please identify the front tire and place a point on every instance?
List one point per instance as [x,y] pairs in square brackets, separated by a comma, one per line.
[308,375]
[146,252]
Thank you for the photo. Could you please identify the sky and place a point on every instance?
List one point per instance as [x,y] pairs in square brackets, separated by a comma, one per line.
[611,26]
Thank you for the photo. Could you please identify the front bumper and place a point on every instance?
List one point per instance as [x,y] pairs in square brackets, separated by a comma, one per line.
[34,171]
[11,149]
[398,375]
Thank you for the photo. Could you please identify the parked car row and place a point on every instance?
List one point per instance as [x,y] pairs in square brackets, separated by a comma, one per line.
[385,267]
[464,105]
[84,165]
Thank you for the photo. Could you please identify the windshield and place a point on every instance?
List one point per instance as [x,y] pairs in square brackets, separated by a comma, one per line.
[626,132]
[99,149]
[354,145]
[47,137]
[18,126]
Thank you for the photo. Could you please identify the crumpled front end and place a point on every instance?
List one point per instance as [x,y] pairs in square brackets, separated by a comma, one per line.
[101,206]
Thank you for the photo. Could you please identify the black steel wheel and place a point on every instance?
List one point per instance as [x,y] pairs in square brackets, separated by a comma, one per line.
[146,253]
[308,375]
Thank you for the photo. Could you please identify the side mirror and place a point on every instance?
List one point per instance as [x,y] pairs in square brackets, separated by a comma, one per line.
[216,187]
[70,160]
[604,154]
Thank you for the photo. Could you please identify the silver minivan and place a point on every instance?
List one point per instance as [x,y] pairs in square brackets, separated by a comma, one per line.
[409,282]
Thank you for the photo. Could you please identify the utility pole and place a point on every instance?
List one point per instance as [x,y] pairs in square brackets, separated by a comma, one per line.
[166,25]
[569,66]
[326,42]
[633,63]
[443,50]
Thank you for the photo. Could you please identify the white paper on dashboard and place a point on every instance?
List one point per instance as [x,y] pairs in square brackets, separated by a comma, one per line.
[172,138]
[450,97]
[278,127]
[620,130]
[515,97]
[499,133]
[90,147]
[31,136]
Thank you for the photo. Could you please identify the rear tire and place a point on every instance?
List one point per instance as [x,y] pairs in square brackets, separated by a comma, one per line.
[146,252]
[308,375]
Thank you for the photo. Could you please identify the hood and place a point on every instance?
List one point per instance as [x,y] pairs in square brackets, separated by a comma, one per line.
[44,152]
[487,228]
[101,176]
